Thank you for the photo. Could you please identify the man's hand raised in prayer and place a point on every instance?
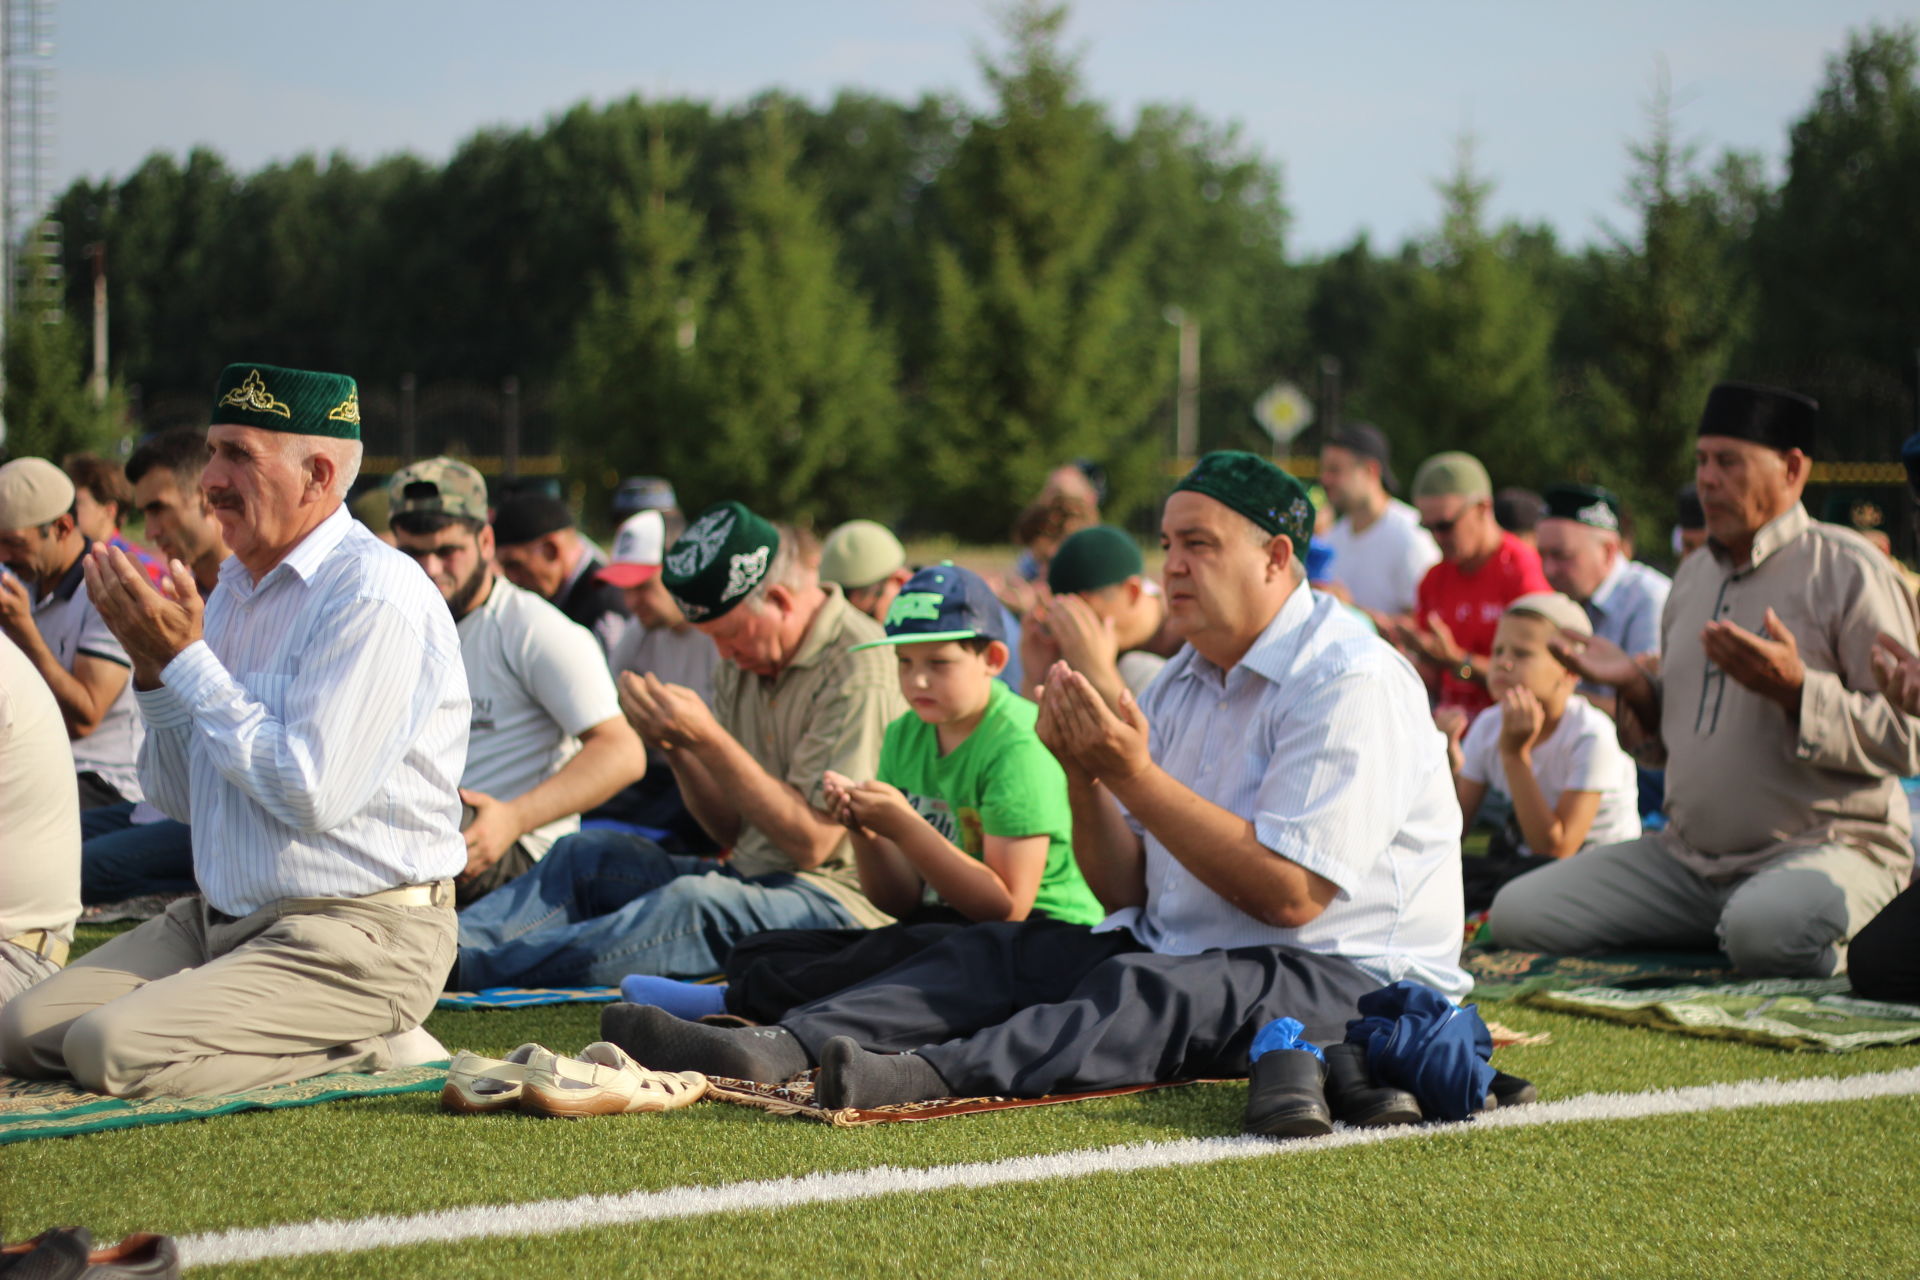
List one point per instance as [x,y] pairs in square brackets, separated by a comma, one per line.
[153,626]
[1769,665]
[668,716]
[1107,744]
[1897,671]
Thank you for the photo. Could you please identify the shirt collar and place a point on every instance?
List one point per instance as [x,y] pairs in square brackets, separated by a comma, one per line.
[1277,646]
[303,561]
[70,580]
[1608,585]
[1776,534]
[822,630]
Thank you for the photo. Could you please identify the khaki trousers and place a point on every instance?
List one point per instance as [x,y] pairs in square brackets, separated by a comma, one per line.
[195,1002]
[1791,917]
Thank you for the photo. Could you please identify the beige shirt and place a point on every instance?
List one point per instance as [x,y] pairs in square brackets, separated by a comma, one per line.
[1744,783]
[828,709]
[39,805]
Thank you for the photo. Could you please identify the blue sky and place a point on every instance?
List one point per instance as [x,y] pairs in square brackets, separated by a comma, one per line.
[1359,103]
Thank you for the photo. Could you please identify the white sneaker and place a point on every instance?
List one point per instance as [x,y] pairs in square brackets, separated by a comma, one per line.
[477,1085]
[415,1047]
[604,1081]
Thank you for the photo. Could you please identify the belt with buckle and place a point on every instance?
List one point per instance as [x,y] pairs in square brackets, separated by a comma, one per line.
[42,944]
[437,894]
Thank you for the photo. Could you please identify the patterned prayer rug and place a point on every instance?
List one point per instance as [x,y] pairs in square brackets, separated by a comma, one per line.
[1785,1013]
[524,997]
[1500,974]
[58,1109]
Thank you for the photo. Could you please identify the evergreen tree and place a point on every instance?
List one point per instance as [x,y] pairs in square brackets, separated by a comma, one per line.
[626,398]
[1466,346]
[1670,307]
[800,412]
[1046,345]
[47,410]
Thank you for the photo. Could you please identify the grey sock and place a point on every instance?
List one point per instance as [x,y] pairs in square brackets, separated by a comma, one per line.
[657,1039]
[852,1077]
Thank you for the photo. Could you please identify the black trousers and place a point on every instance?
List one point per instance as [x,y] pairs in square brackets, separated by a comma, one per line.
[96,792]
[1040,1007]
[771,973]
[1884,958]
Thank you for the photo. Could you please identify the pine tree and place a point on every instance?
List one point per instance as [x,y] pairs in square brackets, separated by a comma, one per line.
[1466,347]
[1671,308]
[47,411]
[1045,345]
[798,385]
[627,398]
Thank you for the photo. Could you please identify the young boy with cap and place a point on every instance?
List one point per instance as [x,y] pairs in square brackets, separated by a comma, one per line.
[965,821]
[1543,748]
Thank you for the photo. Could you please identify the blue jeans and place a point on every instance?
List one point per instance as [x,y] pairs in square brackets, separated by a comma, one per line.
[119,860]
[604,904]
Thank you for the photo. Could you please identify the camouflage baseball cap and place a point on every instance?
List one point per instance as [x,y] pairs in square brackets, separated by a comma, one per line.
[437,486]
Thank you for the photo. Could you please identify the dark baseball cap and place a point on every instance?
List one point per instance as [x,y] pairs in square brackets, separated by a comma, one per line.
[942,602]
[1364,440]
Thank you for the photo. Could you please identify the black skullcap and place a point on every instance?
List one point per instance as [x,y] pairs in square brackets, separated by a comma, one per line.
[1772,416]
[529,516]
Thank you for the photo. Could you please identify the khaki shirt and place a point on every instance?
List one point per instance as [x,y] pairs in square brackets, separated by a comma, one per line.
[827,709]
[1746,785]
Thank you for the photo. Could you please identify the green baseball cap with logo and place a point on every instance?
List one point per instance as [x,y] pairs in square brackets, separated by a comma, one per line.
[437,486]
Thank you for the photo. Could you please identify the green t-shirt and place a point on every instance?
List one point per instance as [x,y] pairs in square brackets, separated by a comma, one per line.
[1002,781]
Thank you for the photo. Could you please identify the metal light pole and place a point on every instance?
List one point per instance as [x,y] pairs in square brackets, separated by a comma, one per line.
[1186,404]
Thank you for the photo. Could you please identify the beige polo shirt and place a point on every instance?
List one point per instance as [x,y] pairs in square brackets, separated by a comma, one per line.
[1744,783]
[39,805]
[827,709]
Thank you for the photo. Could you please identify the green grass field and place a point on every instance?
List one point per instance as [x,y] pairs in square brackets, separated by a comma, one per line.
[1788,1190]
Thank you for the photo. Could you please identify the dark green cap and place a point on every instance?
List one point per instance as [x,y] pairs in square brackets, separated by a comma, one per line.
[1258,490]
[719,560]
[1093,558]
[292,400]
[1586,504]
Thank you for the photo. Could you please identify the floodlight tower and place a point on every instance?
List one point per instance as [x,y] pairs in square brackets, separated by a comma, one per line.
[30,269]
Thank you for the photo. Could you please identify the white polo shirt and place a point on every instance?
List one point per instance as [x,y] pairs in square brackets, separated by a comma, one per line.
[538,680]
[71,626]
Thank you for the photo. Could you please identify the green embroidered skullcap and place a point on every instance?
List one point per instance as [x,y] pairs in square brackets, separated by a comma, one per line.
[1095,557]
[1447,475]
[719,560]
[1586,504]
[439,487]
[1258,490]
[291,400]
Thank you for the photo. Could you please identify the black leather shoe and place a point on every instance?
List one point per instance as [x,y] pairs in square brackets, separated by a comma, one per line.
[1287,1096]
[1509,1091]
[1356,1098]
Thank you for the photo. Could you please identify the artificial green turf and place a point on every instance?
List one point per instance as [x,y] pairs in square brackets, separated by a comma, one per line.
[400,1155]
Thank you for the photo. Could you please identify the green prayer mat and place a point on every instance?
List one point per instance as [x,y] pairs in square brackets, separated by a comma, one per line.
[60,1109]
[1786,1013]
[1499,974]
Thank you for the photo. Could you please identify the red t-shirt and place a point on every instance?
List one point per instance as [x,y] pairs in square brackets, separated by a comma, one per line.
[1471,604]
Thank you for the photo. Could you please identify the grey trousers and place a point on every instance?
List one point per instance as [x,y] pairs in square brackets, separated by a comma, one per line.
[21,969]
[1791,918]
[195,1003]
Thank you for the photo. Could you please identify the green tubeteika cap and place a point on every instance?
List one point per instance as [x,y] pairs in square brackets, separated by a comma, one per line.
[719,560]
[1586,504]
[1096,557]
[296,401]
[1258,490]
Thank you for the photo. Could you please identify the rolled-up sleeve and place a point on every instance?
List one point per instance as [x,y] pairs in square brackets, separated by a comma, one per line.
[1845,723]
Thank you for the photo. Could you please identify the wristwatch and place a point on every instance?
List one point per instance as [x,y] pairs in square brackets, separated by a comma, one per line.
[1466,671]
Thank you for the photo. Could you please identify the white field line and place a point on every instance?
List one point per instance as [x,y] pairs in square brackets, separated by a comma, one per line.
[547,1217]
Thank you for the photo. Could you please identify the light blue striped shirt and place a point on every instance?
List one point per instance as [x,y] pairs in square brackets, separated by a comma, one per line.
[1626,607]
[1320,736]
[315,737]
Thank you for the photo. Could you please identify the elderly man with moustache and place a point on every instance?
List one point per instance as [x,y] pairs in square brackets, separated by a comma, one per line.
[310,724]
[1787,826]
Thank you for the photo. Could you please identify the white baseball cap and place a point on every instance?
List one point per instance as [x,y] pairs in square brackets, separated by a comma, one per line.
[638,549]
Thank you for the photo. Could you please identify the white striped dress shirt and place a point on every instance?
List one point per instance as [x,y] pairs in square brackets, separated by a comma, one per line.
[1320,736]
[314,739]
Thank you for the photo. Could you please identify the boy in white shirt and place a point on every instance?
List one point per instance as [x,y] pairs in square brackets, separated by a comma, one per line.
[1544,748]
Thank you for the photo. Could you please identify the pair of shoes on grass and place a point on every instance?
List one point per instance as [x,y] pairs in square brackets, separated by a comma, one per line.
[600,1080]
[1293,1094]
[65,1252]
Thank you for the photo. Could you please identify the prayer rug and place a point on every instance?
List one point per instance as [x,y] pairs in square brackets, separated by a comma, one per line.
[795,1098]
[60,1109]
[525,997]
[1500,974]
[1785,1013]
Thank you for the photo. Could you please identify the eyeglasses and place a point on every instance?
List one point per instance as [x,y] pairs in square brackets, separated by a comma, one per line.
[1439,526]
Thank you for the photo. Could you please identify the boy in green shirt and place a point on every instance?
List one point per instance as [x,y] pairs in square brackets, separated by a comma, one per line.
[967,822]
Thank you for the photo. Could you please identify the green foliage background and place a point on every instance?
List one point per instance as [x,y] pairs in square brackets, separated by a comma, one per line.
[913,310]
